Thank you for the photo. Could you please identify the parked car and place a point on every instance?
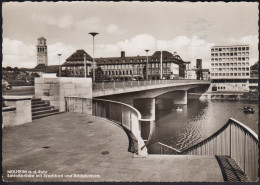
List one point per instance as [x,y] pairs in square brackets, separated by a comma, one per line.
[6,85]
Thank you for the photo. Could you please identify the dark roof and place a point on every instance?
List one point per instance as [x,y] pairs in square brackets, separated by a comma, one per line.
[77,58]
[167,56]
[41,38]
[47,69]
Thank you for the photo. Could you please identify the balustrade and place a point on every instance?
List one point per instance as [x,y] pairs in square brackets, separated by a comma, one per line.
[234,139]
[124,115]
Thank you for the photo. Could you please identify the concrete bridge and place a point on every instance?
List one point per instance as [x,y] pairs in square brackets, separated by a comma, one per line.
[150,89]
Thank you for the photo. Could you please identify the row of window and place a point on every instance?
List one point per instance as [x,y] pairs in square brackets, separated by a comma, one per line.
[132,60]
[41,49]
[230,69]
[130,72]
[229,81]
[229,74]
[126,66]
[230,59]
[224,49]
[230,64]
[230,54]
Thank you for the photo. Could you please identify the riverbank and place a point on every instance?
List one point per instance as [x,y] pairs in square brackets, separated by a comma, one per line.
[230,96]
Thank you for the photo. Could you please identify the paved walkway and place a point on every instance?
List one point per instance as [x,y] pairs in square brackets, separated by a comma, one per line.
[77,147]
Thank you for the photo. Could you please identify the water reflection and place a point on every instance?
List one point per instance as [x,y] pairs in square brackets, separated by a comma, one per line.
[198,120]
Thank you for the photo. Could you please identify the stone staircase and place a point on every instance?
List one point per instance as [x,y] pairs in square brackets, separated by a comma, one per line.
[42,109]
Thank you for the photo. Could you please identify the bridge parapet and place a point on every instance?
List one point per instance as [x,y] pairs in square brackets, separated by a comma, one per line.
[122,114]
[234,139]
[110,88]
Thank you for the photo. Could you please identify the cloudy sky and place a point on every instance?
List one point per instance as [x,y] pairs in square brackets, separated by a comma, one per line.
[190,29]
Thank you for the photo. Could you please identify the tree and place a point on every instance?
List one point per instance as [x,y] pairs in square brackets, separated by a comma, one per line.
[8,68]
[255,66]
[99,74]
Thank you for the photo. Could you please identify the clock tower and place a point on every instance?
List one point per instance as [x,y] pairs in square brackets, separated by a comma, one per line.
[42,54]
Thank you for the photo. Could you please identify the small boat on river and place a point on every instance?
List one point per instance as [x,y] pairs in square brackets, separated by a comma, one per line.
[248,110]
[178,109]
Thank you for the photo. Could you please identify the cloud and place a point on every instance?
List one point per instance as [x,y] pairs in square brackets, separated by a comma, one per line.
[19,54]
[64,22]
[114,29]
[16,53]
[59,48]
[89,24]
[189,48]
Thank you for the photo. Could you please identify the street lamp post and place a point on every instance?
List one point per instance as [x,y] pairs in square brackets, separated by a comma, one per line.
[147,63]
[85,72]
[59,65]
[93,34]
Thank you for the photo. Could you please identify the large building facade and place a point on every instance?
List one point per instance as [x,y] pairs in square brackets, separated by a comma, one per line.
[230,70]
[127,67]
[42,53]
[74,65]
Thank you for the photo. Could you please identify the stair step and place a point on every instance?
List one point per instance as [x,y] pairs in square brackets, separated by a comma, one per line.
[45,115]
[35,109]
[38,102]
[36,99]
[41,105]
[44,112]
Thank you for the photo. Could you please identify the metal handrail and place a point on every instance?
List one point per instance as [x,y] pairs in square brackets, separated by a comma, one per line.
[234,139]
[129,84]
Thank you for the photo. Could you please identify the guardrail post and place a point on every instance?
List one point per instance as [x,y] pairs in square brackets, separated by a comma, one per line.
[131,84]
[114,85]
[138,83]
[123,84]
[230,140]
[245,154]
[150,82]
[103,86]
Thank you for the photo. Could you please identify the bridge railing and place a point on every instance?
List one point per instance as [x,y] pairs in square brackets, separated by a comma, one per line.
[124,115]
[101,86]
[234,139]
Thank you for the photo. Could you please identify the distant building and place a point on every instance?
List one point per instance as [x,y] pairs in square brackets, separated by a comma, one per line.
[74,65]
[197,73]
[42,53]
[230,69]
[124,67]
[135,66]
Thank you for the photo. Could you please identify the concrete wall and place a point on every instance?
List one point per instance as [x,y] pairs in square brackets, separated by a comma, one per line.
[17,112]
[55,89]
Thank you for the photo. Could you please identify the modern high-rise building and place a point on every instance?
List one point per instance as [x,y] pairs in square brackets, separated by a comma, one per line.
[42,53]
[230,70]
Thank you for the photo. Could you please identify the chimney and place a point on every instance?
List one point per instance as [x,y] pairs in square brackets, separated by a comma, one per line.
[122,54]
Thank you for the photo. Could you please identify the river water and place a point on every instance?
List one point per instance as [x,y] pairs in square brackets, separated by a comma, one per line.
[198,120]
